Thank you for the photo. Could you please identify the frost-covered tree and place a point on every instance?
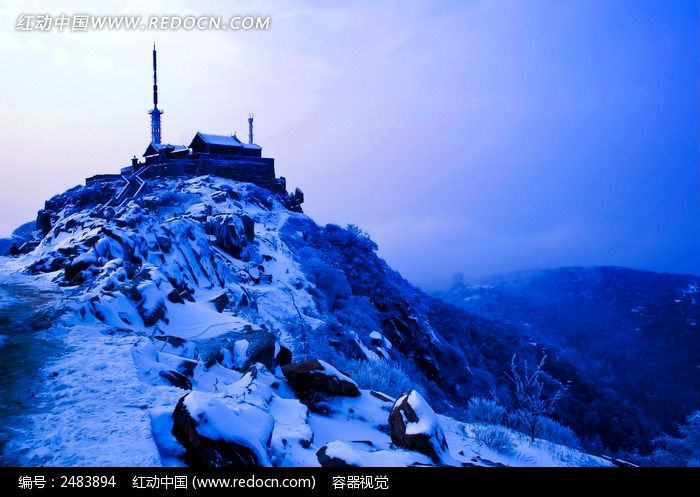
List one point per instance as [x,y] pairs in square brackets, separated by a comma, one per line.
[533,403]
[683,450]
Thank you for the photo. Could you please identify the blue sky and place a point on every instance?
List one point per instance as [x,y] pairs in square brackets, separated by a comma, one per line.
[472,136]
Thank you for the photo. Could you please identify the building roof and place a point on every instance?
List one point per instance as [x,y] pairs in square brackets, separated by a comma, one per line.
[155,148]
[223,140]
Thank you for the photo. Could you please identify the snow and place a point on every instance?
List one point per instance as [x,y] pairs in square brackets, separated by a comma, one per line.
[346,428]
[199,321]
[332,371]
[240,352]
[464,448]
[93,400]
[356,418]
[245,424]
[427,420]
[220,140]
[119,312]
[170,450]
[103,401]
[292,434]
[357,454]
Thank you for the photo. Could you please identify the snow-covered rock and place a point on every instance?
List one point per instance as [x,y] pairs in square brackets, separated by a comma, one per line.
[176,379]
[215,435]
[241,349]
[414,425]
[313,378]
[221,302]
[340,454]
[230,232]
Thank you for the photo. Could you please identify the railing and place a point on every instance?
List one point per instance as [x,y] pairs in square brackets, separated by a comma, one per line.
[134,185]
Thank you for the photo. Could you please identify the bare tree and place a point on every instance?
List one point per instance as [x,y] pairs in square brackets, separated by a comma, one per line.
[533,404]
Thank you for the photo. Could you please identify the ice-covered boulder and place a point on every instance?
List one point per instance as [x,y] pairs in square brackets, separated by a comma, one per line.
[215,435]
[74,268]
[48,264]
[229,231]
[151,307]
[241,349]
[414,426]
[336,455]
[313,377]
[257,345]
[221,302]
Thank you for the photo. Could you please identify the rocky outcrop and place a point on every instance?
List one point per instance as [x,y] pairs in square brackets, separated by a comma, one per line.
[284,356]
[294,200]
[176,379]
[78,265]
[152,311]
[43,222]
[215,436]
[230,232]
[260,348]
[241,350]
[414,426]
[221,302]
[48,264]
[313,378]
[248,227]
[164,243]
[333,460]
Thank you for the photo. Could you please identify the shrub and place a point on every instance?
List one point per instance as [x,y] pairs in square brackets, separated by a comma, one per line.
[547,429]
[557,433]
[320,346]
[683,450]
[481,410]
[534,404]
[329,280]
[380,375]
[495,438]
[359,314]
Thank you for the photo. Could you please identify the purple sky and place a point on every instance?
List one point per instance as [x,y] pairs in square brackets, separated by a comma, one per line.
[472,136]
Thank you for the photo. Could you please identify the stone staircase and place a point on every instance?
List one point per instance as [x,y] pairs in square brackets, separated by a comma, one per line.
[134,185]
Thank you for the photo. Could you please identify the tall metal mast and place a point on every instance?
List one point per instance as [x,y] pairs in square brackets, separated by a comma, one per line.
[155,112]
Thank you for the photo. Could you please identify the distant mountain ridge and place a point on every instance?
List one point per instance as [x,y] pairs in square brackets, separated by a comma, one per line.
[635,333]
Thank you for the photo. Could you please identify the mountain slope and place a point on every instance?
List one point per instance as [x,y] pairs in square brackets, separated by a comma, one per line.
[633,333]
[203,304]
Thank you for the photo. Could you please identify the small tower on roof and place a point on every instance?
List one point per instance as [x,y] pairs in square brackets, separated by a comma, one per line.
[155,112]
[250,128]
